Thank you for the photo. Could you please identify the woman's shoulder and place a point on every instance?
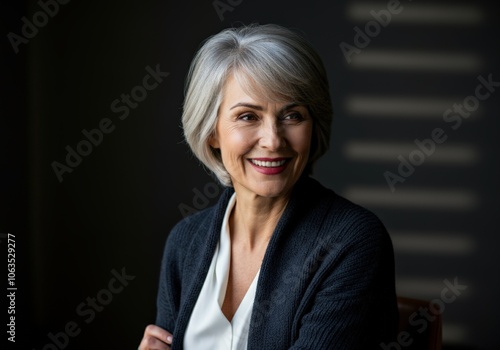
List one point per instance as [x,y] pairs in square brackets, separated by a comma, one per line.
[348,220]
[200,224]
[192,222]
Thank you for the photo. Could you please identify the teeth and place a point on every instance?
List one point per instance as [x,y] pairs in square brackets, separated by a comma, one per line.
[268,164]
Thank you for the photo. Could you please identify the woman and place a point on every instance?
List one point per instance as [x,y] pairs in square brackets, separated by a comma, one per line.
[280,262]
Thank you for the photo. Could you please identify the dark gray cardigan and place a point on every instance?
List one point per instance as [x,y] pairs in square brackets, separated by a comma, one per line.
[326,281]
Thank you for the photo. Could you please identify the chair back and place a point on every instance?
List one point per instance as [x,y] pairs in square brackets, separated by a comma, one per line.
[422,322]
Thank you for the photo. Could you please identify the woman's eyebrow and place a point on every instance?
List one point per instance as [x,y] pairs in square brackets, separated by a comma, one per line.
[260,108]
[288,106]
[249,105]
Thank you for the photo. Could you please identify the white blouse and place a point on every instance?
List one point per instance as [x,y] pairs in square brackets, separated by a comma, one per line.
[208,327]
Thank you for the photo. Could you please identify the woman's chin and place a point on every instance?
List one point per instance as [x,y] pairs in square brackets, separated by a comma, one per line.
[270,189]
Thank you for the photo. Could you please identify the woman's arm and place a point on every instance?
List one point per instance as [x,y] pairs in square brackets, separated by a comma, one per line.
[159,336]
[355,306]
[169,287]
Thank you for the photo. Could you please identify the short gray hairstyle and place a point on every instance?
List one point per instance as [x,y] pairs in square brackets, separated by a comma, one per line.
[269,62]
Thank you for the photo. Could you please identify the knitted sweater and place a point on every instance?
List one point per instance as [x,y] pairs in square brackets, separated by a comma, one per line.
[326,280]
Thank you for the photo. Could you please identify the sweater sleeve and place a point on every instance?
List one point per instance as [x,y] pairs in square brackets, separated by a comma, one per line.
[169,283]
[354,307]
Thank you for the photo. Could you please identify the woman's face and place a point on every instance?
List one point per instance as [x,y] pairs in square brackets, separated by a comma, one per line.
[264,145]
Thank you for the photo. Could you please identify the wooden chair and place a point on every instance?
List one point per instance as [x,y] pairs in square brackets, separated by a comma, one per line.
[423,323]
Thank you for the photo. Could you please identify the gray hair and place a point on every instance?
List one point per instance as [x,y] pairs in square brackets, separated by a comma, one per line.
[269,62]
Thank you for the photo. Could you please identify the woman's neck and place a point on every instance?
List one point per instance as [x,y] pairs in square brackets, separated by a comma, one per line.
[254,218]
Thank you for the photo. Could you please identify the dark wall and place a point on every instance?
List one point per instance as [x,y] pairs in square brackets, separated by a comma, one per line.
[108,213]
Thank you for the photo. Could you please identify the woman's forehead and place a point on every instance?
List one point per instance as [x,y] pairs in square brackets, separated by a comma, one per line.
[243,85]
[235,95]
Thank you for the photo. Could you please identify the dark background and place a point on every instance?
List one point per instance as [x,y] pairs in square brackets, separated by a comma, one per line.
[115,209]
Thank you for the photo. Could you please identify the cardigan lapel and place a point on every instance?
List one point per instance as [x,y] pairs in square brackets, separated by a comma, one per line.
[204,247]
[294,237]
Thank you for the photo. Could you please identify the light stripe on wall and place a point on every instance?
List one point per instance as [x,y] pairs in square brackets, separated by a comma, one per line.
[414,242]
[419,13]
[411,198]
[461,154]
[401,107]
[396,60]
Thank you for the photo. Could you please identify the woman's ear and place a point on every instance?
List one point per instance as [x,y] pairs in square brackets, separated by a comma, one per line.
[213,140]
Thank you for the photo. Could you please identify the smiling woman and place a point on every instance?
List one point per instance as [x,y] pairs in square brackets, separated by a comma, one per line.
[257,139]
[280,262]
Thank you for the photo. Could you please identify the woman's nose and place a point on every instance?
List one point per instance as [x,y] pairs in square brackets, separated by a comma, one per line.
[271,136]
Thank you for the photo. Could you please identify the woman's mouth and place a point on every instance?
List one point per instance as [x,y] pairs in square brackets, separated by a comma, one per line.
[269,166]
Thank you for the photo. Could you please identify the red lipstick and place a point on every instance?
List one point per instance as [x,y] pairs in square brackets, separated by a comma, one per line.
[269,166]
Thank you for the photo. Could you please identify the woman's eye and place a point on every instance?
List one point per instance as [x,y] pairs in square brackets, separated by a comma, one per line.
[247,117]
[293,116]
